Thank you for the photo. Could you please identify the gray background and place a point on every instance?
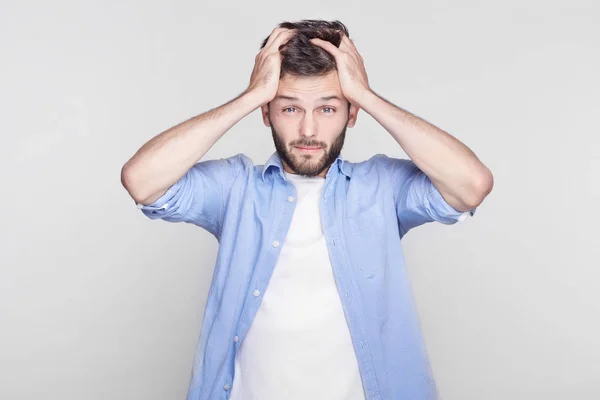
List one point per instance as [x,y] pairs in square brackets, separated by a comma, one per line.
[98,302]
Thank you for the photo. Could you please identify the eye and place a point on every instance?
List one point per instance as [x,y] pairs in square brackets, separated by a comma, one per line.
[288,108]
[331,110]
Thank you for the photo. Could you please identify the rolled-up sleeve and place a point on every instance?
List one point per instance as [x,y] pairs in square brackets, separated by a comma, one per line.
[199,196]
[416,198]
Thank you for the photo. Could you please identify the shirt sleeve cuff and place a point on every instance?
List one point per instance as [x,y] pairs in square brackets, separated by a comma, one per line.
[466,215]
[161,204]
[448,213]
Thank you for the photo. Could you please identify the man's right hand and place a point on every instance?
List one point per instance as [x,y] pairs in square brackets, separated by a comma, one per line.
[164,159]
[264,80]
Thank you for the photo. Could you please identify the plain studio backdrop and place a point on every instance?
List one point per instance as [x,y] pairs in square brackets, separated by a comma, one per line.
[99,302]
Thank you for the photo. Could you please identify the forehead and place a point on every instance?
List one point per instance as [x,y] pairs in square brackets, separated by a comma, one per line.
[310,88]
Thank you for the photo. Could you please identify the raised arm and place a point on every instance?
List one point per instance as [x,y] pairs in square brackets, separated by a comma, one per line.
[163,161]
[460,177]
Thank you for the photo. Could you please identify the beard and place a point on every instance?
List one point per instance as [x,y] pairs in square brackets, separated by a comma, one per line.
[309,165]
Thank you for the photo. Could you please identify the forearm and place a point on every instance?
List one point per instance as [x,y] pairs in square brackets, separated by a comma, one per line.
[452,167]
[164,159]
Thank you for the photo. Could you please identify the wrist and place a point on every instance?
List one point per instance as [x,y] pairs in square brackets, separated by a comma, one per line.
[255,97]
[366,99]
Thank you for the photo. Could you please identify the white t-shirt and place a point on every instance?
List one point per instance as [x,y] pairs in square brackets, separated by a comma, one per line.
[299,346]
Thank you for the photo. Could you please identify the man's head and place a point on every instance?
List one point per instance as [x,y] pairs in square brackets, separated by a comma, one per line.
[309,109]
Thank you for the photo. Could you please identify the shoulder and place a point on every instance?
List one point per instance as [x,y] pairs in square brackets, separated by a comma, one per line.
[378,163]
[235,164]
[240,160]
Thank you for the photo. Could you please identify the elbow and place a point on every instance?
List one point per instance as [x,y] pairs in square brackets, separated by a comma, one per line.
[130,181]
[482,186]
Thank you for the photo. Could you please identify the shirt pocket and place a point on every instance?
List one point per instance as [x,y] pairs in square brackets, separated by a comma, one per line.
[366,239]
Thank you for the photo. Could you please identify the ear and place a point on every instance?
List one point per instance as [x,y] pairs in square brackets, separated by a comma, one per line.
[352,115]
[264,110]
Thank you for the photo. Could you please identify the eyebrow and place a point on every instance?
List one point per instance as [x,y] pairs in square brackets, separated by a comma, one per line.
[292,98]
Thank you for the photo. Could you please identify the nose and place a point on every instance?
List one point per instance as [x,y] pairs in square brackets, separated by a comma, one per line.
[308,126]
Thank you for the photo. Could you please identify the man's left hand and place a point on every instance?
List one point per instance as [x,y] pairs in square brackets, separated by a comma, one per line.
[350,68]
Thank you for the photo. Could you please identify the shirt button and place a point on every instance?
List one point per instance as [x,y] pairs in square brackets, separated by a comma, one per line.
[226,386]
[290,198]
[235,339]
[256,293]
[275,243]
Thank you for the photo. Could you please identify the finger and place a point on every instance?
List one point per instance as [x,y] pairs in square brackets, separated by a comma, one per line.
[348,45]
[346,42]
[328,46]
[273,35]
[281,38]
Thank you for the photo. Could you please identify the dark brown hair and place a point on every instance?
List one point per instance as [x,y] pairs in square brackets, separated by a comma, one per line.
[300,56]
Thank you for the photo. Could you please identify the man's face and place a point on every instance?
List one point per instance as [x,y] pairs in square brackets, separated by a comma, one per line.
[308,119]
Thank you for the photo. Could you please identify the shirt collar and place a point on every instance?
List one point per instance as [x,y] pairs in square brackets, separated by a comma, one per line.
[275,162]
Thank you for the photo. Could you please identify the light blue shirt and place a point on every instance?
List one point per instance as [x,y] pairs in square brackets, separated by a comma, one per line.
[366,208]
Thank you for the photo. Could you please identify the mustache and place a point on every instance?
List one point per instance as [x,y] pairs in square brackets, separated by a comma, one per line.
[308,144]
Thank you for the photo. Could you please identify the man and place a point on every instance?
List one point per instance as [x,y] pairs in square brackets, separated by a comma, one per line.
[310,297]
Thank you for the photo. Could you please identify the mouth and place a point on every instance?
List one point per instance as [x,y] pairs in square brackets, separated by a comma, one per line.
[308,149]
